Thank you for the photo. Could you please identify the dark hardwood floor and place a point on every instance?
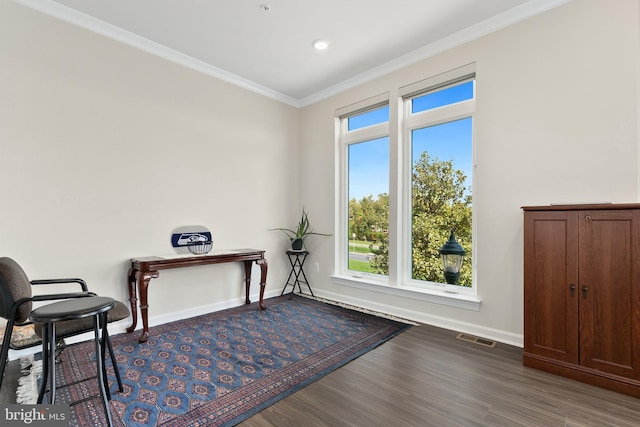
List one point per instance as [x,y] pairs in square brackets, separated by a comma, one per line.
[427,377]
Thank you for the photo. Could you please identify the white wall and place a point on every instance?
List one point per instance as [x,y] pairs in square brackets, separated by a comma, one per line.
[557,121]
[105,149]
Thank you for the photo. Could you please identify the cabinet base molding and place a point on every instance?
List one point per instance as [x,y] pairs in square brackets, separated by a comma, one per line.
[579,373]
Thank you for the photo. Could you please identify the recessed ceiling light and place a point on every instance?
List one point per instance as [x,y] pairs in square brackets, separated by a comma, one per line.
[265,7]
[320,44]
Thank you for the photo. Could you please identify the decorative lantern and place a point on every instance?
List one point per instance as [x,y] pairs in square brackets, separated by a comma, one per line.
[452,256]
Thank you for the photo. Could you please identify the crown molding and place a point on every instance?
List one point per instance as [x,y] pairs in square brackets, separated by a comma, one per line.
[95,25]
[505,19]
[495,23]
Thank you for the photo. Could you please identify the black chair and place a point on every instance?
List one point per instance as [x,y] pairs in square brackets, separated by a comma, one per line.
[16,298]
[49,315]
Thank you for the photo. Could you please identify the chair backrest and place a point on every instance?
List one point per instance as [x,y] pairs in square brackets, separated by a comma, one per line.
[14,286]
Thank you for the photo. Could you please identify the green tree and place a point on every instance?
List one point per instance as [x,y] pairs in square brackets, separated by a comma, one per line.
[356,219]
[440,203]
[368,218]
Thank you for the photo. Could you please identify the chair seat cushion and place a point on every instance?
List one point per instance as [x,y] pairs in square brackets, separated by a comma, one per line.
[14,286]
[73,327]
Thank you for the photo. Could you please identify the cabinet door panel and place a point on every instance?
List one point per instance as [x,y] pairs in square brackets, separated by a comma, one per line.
[609,291]
[551,306]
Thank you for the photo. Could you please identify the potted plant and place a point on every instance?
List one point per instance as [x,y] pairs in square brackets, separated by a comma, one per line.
[300,233]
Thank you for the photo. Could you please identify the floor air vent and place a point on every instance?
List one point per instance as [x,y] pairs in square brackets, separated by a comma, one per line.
[477,340]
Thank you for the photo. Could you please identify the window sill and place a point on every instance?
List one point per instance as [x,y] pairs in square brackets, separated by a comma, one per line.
[436,296]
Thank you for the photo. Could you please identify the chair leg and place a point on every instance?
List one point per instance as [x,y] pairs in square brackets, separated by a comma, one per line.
[52,362]
[5,348]
[115,364]
[100,368]
[48,363]
[102,324]
[106,344]
[45,363]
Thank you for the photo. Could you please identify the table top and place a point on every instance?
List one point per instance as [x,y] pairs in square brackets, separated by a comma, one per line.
[71,309]
[297,251]
[161,262]
[219,253]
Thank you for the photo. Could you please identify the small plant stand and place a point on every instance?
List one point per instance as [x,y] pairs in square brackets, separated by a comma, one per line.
[297,259]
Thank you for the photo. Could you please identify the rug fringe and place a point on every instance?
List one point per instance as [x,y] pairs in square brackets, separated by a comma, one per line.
[25,363]
[27,391]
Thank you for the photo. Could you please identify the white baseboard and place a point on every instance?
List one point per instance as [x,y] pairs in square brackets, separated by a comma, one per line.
[122,325]
[425,318]
[419,317]
[196,311]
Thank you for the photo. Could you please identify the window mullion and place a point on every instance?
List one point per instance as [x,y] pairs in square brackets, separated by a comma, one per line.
[395,186]
[440,115]
[406,177]
[364,134]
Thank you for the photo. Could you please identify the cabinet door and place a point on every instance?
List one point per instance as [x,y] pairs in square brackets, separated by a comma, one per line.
[609,291]
[550,280]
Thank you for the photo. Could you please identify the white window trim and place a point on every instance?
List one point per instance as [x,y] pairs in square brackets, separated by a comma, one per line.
[445,296]
[421,120]
[443,79]
[400,124]
[344,139]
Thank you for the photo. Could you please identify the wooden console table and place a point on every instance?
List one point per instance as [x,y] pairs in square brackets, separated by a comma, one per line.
[146,268]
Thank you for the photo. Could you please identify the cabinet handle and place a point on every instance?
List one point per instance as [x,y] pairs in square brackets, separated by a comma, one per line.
[585,291]
[572,287]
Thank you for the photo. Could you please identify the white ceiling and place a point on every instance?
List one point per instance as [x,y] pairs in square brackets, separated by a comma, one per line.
[270,51]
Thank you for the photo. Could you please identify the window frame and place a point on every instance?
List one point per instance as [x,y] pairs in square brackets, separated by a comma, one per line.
[422,119]
[345,139]
[401,123]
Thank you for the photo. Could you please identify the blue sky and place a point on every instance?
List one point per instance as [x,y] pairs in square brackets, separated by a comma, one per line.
[369,168]
[448,141]
[369,161]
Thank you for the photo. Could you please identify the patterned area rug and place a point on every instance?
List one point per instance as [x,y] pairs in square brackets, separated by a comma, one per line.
[221,368]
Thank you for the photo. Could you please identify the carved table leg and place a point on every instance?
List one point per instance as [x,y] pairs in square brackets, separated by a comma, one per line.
[133,298]
[247,280]
[143,284]
[263,280]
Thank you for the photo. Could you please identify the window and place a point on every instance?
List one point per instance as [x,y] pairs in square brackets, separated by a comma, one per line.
[367,148]
[440,135]
[369,118]
[420,176]
[441,97]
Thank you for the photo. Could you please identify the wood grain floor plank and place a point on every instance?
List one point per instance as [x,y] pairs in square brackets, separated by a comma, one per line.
[427,377]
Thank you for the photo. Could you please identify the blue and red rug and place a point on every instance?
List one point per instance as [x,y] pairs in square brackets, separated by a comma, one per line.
[221,368]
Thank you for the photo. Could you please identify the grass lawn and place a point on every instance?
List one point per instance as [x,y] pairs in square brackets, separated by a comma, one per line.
[360,246]
[363,266]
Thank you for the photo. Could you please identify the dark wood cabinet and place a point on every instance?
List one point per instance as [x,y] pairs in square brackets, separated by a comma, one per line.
[582,293]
